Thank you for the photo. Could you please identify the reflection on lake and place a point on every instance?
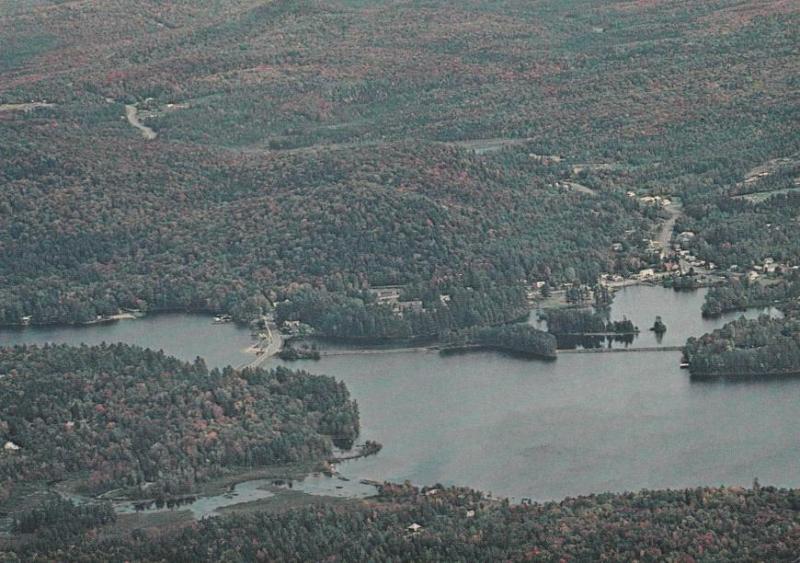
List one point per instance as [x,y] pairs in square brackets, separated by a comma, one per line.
[679,310]
[582,424]
[204,507]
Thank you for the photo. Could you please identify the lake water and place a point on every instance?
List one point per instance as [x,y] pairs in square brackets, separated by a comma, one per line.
[521,428]
[181,335]
[679,310]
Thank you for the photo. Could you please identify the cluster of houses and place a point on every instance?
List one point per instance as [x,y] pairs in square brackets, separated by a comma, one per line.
[770,266]
[390,295]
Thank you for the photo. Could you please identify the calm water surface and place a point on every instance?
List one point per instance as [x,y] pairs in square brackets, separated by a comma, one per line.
[585,423]
[181,335]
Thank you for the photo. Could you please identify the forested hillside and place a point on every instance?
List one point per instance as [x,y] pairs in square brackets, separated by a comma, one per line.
[704,524]
[127,417]
[347,144]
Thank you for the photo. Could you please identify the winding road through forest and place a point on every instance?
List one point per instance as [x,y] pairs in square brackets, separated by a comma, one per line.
[132,114]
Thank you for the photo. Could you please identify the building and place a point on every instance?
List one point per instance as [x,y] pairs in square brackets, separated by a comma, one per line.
[386,295]
[11,446]
[414,528]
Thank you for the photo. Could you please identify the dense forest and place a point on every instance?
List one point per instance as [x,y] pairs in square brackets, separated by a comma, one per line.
[344,145]
[703,524]
[739,295]
[761,347]
[359,316]
[518,339]
[742,231]
[134,418]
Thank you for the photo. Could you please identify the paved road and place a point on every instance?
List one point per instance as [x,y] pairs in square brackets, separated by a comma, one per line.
[270,346]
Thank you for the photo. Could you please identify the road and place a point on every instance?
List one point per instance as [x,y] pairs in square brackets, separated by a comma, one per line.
[665,234]
[132,114]
[270,346]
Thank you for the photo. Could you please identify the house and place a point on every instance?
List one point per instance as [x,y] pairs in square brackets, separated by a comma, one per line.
[752,275]
[386,295]
[414,528]
[290,327]
[647,273]
[11,446]
[617,247]
[444,299]
[470,513]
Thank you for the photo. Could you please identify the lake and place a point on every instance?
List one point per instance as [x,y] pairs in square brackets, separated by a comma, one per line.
[679,310]
[181,335]
[585,423]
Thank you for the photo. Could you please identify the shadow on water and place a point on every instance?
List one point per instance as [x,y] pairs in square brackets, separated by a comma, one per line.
[573,342]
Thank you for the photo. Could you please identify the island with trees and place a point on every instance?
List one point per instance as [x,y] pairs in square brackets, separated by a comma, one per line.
[746,349]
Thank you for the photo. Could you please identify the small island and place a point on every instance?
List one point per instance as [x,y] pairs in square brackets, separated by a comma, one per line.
[658,326]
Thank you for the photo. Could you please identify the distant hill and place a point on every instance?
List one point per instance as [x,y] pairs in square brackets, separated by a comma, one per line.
[344,144]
